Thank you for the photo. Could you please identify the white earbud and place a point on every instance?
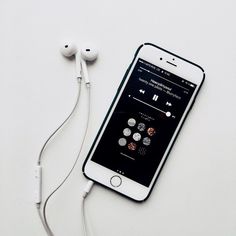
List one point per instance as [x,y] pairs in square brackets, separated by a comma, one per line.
[87,53]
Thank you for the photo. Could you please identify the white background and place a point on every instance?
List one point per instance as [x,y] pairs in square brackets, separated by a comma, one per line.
[195,194]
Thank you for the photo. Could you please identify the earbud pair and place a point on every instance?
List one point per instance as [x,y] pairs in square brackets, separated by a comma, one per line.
[81,56]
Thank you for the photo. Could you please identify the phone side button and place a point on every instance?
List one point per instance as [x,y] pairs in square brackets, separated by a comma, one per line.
[115,181]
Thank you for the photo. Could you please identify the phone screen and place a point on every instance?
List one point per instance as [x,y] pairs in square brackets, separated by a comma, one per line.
[143,122]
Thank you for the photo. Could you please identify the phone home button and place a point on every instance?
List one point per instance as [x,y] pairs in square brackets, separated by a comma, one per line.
[115,181]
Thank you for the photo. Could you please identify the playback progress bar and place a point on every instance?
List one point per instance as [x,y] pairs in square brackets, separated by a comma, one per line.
[167,113]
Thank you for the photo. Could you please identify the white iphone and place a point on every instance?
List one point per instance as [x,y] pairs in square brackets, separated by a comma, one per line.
[143,121]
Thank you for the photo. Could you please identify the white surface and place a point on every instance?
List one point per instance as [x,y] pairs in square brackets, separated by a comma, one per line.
[195,194]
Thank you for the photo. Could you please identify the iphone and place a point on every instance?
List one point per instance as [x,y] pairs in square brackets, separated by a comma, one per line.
[157,92]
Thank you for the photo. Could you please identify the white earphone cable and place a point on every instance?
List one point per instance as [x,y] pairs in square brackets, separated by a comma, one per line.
[38,204]
[87,190]
[67,176]
[84,217]
[46,227]
[62,124]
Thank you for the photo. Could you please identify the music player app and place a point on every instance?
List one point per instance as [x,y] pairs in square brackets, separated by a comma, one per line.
[143,122]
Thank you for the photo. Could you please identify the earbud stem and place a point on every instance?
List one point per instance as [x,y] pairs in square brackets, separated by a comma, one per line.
[85,71]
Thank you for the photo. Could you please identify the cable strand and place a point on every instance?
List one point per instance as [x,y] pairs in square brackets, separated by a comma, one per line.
[62,124]
[38,205]
[76,160]
[83,217]
[46,227]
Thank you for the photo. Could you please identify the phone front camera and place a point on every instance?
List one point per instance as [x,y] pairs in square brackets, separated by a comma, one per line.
[160,58]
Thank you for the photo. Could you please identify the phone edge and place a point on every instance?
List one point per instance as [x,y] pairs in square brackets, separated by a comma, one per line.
[113,101]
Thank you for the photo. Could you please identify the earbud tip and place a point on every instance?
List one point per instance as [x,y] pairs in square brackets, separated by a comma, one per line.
[89,53]
[68,49]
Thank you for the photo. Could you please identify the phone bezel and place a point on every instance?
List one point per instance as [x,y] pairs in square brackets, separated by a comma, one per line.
[184,69]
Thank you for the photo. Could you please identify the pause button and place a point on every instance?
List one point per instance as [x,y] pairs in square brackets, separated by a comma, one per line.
[155,97]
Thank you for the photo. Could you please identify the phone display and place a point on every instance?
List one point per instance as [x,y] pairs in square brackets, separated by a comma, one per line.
[143,121]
